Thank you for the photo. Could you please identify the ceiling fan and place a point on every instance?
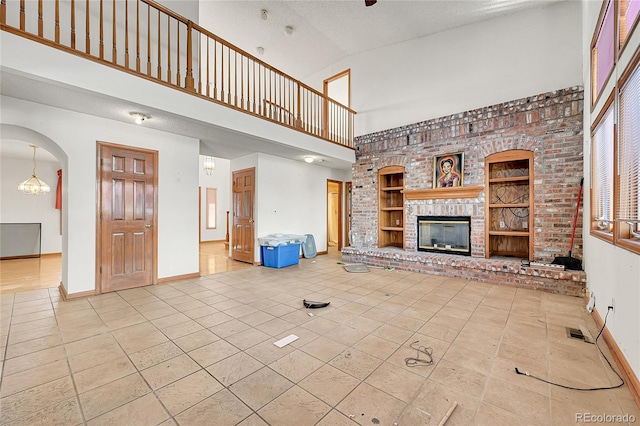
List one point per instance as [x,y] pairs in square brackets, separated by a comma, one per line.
[369,2]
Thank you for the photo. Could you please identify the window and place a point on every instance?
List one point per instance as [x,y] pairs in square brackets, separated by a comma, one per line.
[603,51]
[628,164]
[603,142]
[629,12]
[211,208]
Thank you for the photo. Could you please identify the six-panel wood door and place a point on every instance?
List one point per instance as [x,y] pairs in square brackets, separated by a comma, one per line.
[243,223]
[127,216]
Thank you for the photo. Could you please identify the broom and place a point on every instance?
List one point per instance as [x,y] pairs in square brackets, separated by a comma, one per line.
[571,262]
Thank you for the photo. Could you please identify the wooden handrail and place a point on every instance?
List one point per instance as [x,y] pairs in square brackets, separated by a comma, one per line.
[183,55]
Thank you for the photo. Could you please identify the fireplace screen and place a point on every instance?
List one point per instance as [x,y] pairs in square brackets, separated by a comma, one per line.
[445,234]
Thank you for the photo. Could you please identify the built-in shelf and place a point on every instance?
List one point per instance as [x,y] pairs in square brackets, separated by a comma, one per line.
[391,207]
[443,193]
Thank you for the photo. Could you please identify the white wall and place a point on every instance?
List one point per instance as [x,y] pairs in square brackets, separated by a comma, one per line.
[507,58]
[220,179]
[17,207]
[290,197]
[613,273]
[74,135]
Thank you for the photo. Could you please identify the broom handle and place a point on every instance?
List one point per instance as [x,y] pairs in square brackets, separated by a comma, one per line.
[575,217]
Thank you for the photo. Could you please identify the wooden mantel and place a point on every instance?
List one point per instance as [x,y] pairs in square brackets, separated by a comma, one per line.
[442,193]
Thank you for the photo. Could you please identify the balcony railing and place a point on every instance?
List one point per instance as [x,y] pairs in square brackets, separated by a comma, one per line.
[149,40]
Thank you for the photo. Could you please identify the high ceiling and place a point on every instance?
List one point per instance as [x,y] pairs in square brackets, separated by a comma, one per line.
[322,33]
[326,31]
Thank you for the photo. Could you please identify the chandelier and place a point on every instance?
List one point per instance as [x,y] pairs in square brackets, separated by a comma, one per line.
[34,185]
[209,165]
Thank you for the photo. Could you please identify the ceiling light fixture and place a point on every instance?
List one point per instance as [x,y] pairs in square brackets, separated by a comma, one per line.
[260,50]
[308,159]
[209,165]
[264,14]
[33,185]
[288,30]
[139,117]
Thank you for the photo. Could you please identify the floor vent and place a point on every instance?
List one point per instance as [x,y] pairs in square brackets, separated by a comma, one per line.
[575,333]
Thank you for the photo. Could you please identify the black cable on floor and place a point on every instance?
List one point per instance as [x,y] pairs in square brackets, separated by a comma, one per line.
[526,373]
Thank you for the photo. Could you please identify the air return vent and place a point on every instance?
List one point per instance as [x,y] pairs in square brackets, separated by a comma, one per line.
[575,333]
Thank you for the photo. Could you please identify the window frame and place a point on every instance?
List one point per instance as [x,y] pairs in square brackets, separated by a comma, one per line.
[594,229]
[213,192]
[595,94]
[623,39]
[621,232]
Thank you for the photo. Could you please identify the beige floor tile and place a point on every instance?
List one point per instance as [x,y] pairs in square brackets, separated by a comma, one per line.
[279,310]
[169,371]
[170,320]
[336,418]
[188,391]
[346,334]
[234,368]
[459,378]
[294,407]
[222,408]
[34,345]
[357,363]
[38,375]
[196,340]
[296,366]
[247,338]
[101,374]
[229,328]
[261,387]
[143,411]
[518,400]
[138,337]
[26,362]
[63,413]
[324,348]
[256,318]
[469,358]
[434,401]
[213,352]
[266,352]
[488,415]
[396,381]
[182,329]
[376,346]
[329,384]
[35,399]
[439,331]
[154,355]
[253,420]
[505,369]
[200,312]
[369,405]
[112,395]
[275,326]
[212,320]
[25,336]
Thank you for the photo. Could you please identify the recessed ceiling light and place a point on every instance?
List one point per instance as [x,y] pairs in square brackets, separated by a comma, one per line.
[308,159]
[288,30]
[139,117]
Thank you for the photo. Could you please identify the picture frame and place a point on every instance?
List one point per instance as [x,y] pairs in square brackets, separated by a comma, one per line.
[448,170]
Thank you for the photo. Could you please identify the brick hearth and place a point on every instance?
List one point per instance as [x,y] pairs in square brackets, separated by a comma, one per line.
[495,271]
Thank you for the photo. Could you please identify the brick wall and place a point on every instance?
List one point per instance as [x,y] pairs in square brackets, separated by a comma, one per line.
[549,124]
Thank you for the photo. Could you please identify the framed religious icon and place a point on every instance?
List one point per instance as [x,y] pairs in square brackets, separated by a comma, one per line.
[448,170]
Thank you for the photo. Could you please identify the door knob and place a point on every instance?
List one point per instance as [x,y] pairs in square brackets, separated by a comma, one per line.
[250,220]
[147,226]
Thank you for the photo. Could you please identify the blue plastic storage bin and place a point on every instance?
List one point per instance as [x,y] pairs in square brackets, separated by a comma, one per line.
[280,256]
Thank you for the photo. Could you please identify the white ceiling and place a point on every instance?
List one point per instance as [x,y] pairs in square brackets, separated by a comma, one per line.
[324,32]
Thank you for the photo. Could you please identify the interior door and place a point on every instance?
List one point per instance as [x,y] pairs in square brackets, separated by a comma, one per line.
[127,217]
[334,214]
[243,223]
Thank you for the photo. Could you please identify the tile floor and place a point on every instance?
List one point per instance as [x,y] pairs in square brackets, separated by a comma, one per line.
[201,352]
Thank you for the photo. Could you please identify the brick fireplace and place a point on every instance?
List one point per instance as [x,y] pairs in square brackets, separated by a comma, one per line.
[548,124]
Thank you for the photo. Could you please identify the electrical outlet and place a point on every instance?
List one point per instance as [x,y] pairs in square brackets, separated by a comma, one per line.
[502,224]
[525,224]
[612,304]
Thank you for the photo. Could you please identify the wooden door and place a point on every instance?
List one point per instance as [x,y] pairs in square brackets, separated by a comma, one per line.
[348,193]
[243,223]
[126,217]
[334,211]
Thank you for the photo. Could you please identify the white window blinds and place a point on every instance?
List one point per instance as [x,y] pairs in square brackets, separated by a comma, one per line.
[629,150]
[602,173]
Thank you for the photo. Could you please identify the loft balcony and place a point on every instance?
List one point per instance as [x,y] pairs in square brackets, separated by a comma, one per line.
[146,40]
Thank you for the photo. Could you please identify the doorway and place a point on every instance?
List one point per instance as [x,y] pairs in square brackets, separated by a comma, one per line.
[243,193]
[334,215]
[127,217]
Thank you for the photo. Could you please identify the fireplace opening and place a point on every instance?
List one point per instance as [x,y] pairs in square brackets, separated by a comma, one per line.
[445,234]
